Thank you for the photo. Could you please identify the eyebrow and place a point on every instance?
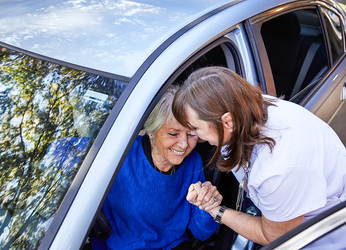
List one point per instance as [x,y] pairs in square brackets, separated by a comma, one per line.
[174,129]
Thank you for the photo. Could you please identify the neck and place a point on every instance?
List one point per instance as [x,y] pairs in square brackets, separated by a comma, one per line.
[163,166]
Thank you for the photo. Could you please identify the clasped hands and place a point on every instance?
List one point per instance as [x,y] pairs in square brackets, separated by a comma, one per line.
[205,196]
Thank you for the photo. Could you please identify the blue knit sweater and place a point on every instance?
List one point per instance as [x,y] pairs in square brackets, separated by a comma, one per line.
[149,210]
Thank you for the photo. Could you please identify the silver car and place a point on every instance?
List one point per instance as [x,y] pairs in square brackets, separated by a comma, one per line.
[78,78]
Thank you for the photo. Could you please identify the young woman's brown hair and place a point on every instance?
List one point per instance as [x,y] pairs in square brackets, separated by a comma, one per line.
[213,91]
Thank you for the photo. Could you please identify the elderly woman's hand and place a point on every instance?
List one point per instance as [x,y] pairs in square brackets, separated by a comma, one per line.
[205,195]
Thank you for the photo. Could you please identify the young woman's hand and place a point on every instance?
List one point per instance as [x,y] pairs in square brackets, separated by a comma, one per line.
[205,195]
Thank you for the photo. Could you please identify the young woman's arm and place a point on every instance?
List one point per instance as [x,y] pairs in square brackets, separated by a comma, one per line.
[255,228]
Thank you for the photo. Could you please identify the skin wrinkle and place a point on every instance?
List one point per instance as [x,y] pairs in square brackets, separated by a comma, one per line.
[171,136]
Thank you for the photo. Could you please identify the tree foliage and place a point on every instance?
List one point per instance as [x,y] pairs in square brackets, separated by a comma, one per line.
[47,124]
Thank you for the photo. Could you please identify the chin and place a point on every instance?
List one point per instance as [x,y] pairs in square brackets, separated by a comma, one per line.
[178,159]
[177,162]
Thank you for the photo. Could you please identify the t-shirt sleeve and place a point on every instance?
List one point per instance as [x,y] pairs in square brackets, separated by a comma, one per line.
[290,192]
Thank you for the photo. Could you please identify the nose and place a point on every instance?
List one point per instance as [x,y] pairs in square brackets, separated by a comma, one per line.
[182,142]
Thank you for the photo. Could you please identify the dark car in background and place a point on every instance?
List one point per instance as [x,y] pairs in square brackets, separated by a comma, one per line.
[79,78]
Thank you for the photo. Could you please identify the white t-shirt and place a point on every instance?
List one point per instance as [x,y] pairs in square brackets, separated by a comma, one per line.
[305,174]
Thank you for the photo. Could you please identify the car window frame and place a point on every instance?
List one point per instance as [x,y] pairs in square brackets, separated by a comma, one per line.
[51,233]
[49,239]
[301,232]
[232,48]
[333,64]
[262,62]
[327,33]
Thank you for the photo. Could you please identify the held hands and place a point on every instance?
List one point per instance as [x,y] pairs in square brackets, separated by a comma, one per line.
[205,195]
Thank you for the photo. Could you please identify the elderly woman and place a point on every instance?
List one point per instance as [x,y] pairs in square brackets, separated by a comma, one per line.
[146,205]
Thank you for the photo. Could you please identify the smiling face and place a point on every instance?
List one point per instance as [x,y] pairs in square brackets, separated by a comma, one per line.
[205,130]
[171,144]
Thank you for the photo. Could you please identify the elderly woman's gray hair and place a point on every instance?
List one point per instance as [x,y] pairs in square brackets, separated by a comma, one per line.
[162,113]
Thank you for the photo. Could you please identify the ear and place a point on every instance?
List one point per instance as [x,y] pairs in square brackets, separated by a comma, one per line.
[227,121]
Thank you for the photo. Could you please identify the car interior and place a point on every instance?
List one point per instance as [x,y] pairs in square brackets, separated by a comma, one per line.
[296,50]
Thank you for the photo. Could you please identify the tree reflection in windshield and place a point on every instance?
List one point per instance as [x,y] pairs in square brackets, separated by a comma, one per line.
[49,117]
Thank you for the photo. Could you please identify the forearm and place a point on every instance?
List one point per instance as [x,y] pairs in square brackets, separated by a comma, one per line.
[244,224]
[257,229]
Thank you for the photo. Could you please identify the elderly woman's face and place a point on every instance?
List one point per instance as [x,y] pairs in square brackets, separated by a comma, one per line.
[172,143]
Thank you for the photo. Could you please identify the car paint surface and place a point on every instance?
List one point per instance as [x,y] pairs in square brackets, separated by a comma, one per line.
[151,83]
[111,36]
[144,43]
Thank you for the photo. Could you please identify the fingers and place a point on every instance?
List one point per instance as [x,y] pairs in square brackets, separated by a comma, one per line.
[205,195]
[198,187]
[193,191]
[214,202]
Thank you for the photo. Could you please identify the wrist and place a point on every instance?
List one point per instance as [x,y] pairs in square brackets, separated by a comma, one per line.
[213,212]
[219,214]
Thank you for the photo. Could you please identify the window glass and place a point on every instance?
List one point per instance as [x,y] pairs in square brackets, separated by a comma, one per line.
[334,29]
[49,118]
[296,50]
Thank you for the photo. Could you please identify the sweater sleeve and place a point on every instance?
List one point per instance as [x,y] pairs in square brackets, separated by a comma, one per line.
[202,224]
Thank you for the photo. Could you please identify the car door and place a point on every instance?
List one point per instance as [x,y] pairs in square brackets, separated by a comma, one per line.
[301,57]
[313,231]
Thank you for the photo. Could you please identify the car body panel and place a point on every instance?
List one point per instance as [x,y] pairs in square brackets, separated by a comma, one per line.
[239,37]
[149,67]
[327,102]
[96,182]
[111,36]
[312,230]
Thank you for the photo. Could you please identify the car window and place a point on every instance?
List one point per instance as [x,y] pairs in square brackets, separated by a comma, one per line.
[49,118]
[334,32]
[296,50]
[214,57]
[225,54]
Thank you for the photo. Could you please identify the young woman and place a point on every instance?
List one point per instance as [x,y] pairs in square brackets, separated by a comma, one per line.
[292,164]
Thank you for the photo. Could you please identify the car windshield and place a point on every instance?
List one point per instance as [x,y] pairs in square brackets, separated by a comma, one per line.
[49,118]
[111,36]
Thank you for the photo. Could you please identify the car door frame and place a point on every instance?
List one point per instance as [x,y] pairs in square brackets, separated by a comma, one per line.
[312,229]
[325,98]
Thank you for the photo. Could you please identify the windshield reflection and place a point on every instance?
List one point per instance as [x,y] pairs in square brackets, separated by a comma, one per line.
[111,36]
[49,118]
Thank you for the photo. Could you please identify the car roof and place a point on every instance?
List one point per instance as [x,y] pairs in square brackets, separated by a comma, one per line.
[110,36]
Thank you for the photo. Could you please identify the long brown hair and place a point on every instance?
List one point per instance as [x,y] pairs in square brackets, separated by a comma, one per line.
[214,91]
